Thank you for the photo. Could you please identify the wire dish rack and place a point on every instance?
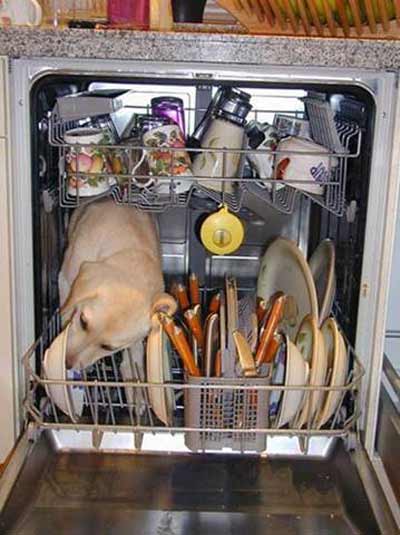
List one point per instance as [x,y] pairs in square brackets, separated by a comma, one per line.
[212,413]
[157,193]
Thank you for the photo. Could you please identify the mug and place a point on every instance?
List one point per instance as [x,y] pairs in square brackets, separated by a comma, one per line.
[167,163]
[20,12]
[87,166]
[312,169]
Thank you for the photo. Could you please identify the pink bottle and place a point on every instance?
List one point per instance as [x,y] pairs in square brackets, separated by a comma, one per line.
[134,13]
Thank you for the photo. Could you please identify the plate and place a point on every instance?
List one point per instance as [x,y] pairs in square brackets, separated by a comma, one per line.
[284,268]
[310,342]
[338,364]
[296,374]
[68,399]
[322,266]
[162,400]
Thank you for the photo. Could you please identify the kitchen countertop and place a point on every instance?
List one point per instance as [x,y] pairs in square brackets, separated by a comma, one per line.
[206,47]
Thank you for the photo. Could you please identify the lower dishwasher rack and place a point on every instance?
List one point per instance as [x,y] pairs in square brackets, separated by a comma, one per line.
[212,414]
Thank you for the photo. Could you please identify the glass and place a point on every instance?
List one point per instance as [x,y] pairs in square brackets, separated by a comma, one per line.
[129,13]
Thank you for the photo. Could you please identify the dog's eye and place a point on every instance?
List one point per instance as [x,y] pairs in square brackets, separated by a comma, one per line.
[84,323]
[107,347]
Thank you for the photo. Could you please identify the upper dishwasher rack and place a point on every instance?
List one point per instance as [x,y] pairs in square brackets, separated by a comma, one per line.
[158,193]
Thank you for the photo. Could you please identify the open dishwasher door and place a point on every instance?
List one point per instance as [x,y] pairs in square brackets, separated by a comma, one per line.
[93,472]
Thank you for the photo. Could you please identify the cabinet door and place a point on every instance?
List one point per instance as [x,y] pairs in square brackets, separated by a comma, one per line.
[3,96]
[7,407]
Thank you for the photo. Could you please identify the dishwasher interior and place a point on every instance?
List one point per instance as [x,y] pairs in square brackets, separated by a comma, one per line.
[318,489]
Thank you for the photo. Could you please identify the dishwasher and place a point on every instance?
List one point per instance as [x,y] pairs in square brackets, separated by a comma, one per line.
[218,463]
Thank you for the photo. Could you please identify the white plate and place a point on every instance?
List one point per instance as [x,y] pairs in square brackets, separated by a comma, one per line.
[158,366]
[284,268]
[322,266]
[310,342]
[296,374]
[338,363]
[68,399]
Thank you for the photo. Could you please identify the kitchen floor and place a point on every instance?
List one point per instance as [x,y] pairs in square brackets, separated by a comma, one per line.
[80,493]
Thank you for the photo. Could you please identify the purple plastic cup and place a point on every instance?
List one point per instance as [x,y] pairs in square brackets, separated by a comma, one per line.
[171,108]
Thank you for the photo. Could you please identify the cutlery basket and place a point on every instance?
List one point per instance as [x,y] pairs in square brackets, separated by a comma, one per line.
[224,416]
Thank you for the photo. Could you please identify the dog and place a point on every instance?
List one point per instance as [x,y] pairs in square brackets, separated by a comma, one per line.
[110,282]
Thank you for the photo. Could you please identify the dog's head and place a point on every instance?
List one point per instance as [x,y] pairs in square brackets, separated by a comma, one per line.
[106,315]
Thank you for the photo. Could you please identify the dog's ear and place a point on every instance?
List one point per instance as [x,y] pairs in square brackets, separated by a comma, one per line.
[164,303]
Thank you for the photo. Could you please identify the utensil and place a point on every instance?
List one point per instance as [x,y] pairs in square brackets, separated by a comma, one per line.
[322,266]
[180,343]
[311,344]
[284,268]
[215,303]
[263,354]
[218,364]
[261,309]
[194,289]
[246,358]
[222,232]
[194,324]
[211,343]
[338,364]
[182,297]
[158,371]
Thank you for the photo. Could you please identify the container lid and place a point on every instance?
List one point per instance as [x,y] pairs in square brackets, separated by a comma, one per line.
[234,106]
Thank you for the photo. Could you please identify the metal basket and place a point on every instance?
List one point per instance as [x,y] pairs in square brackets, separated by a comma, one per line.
[226,409]
[128,190]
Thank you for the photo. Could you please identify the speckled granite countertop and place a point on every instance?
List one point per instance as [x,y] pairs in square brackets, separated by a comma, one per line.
[213,47]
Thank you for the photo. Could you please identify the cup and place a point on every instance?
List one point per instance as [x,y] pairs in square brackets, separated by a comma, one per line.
[170,107]
[188,10]
[310,171]
[162,162]
[88,166]
[129,13]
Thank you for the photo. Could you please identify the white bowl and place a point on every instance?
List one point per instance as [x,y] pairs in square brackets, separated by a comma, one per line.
[310,342]
[338,364]
[68,399]
[296,374]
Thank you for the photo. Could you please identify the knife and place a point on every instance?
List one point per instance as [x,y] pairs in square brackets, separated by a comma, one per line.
[215,303]
[274,318]
[194,324]
[182,297]
[194,289]
[180,343]
[246,358]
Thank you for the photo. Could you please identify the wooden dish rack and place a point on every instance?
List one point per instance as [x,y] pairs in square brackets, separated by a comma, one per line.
[279,17]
